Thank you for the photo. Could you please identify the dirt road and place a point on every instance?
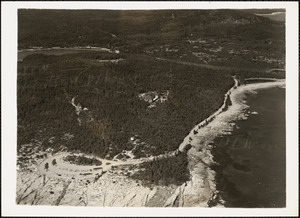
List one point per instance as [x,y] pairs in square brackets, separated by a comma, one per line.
[66,170]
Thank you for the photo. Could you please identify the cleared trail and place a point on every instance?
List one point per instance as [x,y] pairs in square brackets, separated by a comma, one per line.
[216,67]
[66,170]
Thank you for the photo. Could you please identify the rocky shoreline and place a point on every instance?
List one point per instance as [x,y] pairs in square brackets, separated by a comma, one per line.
[201,190]
[114,188]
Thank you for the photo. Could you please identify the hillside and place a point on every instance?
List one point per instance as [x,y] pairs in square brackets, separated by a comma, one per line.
[110,92]
[95,27]
[219,37]
[172,72]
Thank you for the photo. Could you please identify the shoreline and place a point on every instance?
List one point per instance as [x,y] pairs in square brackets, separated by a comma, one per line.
[200,152]
[116,189]
[251,161]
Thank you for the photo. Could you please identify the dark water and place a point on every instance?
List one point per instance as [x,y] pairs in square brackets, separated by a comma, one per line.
[251,162]
[277,16]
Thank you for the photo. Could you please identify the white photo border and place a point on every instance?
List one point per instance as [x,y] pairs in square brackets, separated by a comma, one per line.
[9,111]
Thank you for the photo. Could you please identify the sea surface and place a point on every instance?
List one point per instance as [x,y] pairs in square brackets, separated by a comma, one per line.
[251,162]
[277,16]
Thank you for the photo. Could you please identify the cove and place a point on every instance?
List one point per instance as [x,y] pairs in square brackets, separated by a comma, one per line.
[250,163]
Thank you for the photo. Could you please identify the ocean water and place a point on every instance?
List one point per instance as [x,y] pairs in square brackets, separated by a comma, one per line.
[251,161]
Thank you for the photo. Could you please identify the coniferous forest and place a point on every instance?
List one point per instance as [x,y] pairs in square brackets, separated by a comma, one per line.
[90,101]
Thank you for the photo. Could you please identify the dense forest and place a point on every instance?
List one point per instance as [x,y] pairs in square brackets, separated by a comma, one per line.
[49,28]
[96,104]
[172,170]
[47,84]
[219,37]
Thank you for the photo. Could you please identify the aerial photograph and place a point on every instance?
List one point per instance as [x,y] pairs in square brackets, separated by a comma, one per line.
[151,108]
